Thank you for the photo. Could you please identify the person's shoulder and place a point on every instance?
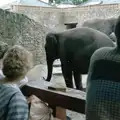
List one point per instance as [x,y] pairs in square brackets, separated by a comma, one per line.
[19,106]
[18,96]
[102,53]
[9,90]
[104,50]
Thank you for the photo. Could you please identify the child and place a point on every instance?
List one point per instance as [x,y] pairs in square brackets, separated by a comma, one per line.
[17,61]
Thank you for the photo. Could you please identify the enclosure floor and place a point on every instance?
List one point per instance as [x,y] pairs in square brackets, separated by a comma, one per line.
[40,71]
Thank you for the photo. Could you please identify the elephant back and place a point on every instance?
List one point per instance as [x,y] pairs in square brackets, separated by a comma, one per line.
[104,25]
[84,40]
[102,39]
[85,34]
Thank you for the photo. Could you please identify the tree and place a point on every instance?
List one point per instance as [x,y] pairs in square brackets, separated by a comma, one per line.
[75,2]
[58,1]
[50,1]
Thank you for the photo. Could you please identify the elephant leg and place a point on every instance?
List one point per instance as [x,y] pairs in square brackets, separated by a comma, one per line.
[49,69]
[67,73]
[78,80]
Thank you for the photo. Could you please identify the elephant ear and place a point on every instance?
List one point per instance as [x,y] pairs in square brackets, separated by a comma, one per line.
[51,40]
[51,45]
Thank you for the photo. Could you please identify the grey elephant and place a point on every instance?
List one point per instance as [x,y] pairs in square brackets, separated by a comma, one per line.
[106,26]
[113,37]
[74,48]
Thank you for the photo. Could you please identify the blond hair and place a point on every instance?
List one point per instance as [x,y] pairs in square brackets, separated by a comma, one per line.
[16,62]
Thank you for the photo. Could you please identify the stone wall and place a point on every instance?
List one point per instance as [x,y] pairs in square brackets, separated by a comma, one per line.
[92,12]
[54,18]
[19,29]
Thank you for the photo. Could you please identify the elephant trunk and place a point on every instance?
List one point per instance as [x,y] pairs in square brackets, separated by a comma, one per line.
[49,68]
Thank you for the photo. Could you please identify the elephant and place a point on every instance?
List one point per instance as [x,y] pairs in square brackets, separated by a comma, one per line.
[113,37]
[74,48]
[106,26]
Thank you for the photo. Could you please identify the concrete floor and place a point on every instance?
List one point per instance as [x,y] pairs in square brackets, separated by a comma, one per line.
[40,71]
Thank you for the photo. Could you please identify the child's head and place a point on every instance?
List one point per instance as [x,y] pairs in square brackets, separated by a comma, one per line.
[16,62]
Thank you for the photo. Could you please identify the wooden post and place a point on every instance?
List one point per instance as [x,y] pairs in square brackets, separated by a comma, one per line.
[61,113]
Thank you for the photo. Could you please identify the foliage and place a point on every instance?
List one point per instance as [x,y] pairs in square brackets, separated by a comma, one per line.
[76,2]
[59,1]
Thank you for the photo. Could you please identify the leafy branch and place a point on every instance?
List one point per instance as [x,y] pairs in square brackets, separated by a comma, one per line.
[75,2]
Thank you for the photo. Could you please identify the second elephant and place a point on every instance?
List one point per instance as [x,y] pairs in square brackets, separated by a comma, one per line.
[74,48]
[106,26]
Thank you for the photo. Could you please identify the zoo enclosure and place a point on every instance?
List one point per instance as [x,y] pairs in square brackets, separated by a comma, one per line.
[54,18]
